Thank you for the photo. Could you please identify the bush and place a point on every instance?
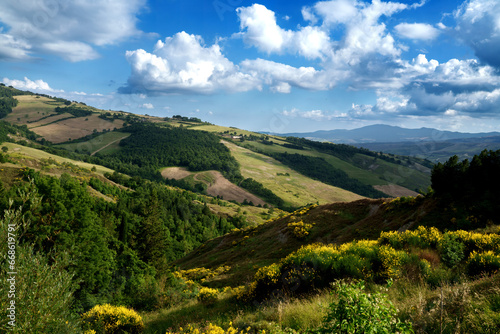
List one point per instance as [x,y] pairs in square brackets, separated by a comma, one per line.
[451,250]
[109,319]
[355,311]
[208,296]
[483,263]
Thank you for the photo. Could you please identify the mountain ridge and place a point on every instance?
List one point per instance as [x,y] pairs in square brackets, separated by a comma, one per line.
[386,133]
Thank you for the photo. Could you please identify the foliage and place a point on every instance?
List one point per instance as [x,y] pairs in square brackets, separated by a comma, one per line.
[208,296]
[394,255]
[258,189]
[109,319]
[483,263]
[211,329]
[473,186]
[355,311]
[118,249]
[320,169]
[300,229]
[451,250]
[43,284]
[74,110]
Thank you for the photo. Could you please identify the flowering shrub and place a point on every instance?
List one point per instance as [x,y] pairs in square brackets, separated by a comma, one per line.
[300,229]
[483,263]
[212,329]
[109,319]
[421,237]
[208,296]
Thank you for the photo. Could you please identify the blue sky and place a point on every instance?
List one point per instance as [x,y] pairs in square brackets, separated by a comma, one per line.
[280,66]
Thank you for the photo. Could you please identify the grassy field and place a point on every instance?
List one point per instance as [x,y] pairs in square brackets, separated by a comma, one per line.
[363,168]
[97,144]
[21,152]
[292,187]
[31,108]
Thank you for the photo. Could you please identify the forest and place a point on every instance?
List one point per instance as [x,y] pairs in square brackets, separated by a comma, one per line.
[120,248]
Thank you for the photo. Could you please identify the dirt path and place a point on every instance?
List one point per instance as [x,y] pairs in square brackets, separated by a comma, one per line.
[102,148]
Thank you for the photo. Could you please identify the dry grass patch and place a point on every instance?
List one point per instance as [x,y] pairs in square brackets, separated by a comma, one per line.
[75,128]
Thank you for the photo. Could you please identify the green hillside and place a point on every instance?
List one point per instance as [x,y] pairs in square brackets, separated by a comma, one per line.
[130,217]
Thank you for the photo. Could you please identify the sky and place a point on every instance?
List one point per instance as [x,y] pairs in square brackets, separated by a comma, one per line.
[278,66]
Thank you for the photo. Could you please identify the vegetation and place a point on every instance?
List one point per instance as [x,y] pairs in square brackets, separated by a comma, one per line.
[319,169]
[471,186]
[108,319]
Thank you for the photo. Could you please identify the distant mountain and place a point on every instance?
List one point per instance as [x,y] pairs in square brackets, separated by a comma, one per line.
[387,134]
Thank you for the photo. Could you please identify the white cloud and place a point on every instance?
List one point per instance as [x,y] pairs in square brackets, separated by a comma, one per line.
[479,27]
[315,115]
[182,64]
[280,76]
[147,106]
[37,86]
[13,48]
[68,29]
[421,31]
[259,29]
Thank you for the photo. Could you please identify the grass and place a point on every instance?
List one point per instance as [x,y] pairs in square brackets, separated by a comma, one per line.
[295,189]
[98,144]
[363,168]
[23,152]
[31,108]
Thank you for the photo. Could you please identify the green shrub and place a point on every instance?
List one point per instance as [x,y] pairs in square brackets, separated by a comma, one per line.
[451,250]
[109,319]
[355,311]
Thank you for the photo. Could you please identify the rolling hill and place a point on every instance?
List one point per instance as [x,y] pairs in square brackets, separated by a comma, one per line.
[97,133]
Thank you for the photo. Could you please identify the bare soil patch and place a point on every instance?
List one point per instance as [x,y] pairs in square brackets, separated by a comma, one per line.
[229,191]
[176,173]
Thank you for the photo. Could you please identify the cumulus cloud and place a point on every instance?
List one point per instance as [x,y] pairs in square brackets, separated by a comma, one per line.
[182,64]
[259,29]
[281,77]
[478,25]
[421,31]
[37,86]
[69,29]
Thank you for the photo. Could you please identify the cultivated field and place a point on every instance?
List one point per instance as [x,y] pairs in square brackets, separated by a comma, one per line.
[75,128]
[295,188]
